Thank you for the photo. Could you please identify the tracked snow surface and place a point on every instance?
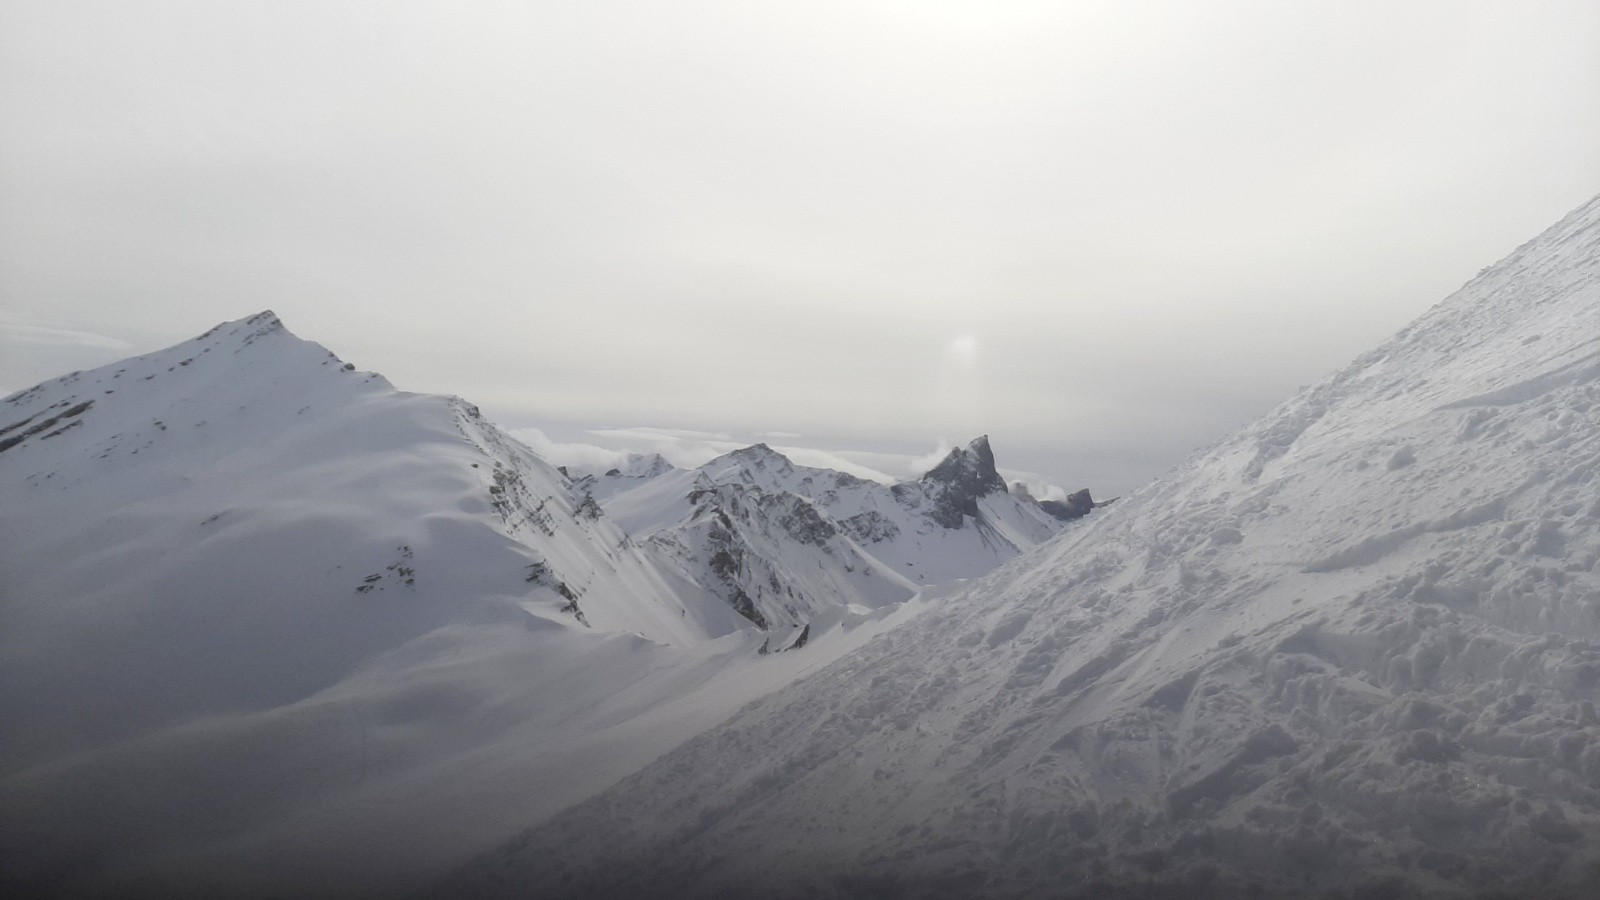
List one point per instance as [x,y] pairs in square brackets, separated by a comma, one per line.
[1353,651]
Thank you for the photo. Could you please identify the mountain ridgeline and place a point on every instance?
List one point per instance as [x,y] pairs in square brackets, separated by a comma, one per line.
[782,543]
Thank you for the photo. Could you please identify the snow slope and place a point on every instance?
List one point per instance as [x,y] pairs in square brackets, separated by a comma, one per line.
[208,553]
[1353,651]
[290,516]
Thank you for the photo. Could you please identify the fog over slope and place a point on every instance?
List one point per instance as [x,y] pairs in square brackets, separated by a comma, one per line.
[1352,651]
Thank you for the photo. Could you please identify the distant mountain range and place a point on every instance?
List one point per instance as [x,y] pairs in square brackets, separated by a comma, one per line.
[782,543]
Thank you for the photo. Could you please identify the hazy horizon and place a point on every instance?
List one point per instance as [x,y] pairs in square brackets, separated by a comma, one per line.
[1104,234]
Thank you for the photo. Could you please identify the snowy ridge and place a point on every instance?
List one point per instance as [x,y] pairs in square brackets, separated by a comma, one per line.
[782,542]
[1353,651]
[773,557]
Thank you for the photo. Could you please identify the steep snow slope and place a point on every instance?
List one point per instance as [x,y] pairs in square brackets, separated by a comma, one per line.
[1352,651]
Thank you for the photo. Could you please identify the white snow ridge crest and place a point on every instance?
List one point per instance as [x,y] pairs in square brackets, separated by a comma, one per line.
[1352,652]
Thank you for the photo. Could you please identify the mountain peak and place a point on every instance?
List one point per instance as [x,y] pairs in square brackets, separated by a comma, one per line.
[755,455]
[971,466]
[964,475]
[261,323]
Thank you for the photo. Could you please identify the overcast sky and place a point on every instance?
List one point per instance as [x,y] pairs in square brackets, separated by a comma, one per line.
[1103,233]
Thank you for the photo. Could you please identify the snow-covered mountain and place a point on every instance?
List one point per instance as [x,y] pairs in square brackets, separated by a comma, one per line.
[248,594]
[210,553]
[783,543]
[1353,651]
[252,488]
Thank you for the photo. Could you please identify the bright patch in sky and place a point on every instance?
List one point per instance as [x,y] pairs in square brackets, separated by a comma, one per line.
[964,350]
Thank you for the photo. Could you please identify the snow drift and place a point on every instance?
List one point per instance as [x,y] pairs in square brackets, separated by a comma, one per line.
[1352,651]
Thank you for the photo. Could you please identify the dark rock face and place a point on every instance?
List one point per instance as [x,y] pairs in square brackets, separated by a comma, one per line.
[802,521]
[727,563]
[971,467]
[1075,506]
[587,508]
[870,527]
[23,435]
[745,607]
[959,480]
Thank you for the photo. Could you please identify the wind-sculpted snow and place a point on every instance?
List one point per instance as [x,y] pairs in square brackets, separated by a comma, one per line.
[1353,651]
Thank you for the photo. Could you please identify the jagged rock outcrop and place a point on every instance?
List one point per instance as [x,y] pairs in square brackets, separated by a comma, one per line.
[953,487]
[957,521]
[1076,506]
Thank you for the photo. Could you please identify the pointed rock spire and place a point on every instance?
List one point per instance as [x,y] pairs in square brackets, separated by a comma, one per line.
[963,476]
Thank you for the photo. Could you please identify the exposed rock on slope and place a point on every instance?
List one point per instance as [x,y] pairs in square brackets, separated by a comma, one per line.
[1076,506]
[774,557]
[1352,651]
